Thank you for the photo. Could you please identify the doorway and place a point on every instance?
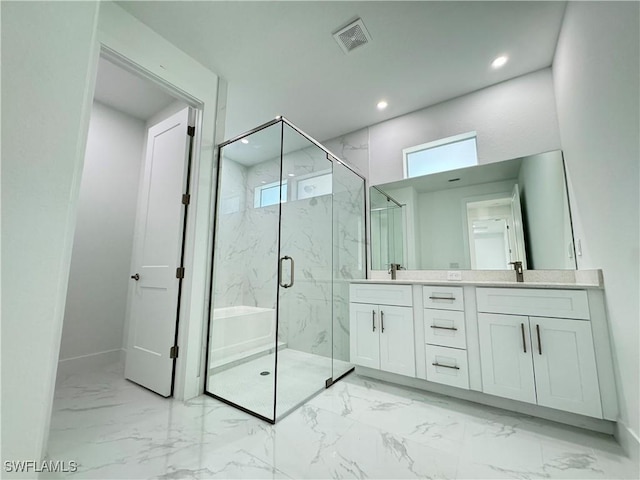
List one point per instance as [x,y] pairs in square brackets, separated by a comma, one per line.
[495,233]
[137,160]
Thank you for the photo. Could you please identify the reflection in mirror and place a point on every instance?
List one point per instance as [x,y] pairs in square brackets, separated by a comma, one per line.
[387,231]
[483,217]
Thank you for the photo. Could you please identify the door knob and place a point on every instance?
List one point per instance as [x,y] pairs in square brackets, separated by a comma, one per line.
[136,277]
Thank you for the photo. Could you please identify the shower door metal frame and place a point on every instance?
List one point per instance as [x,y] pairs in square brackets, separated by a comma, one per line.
[331,157]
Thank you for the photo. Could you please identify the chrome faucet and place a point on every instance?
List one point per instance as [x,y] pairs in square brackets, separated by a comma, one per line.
[517,266]
[393,269]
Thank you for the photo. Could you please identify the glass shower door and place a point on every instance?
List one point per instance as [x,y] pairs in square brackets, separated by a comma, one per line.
[241,361]
[305,290]
[349,257]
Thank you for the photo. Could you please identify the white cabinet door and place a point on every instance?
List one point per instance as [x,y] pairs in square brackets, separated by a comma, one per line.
[364,335]
[397,343]
[565,365]
[505,354]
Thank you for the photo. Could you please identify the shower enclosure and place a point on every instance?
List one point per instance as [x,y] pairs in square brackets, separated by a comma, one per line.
[289,236]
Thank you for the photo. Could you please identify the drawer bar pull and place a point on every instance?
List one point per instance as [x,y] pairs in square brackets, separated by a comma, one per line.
[373,320]
[524,343]
[445,366]
[539,342]
[442,298]
[444,328]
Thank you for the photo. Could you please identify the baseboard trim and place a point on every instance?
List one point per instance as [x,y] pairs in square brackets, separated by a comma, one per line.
[629,441]
[567,418]
[83,363]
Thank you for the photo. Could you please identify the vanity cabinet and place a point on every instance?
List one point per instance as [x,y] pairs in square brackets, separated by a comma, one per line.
[382,334]
[530,353]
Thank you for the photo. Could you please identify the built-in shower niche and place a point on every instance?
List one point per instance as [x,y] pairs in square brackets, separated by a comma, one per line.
[289,235]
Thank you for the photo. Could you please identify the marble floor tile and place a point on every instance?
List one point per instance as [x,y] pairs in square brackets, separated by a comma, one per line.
[358,428]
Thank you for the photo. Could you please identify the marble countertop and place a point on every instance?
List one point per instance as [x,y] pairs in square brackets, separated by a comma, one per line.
[576,279]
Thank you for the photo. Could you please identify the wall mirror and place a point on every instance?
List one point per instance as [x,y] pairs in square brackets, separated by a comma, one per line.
[479,217]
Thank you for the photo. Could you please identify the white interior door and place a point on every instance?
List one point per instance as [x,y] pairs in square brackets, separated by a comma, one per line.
[153,297]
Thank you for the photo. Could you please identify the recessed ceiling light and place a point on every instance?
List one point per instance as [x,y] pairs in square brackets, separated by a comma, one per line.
[382,105]
[245,141]
[500,61]
[292,174]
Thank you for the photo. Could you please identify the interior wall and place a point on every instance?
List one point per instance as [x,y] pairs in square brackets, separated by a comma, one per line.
[49,59]
[595,74]
[171,109]
[50,54]
[101,260]
[512,119]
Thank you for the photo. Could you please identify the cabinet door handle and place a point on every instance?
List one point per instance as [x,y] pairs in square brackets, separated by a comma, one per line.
[539,342]
[373,320]
[445,366]
[381,321]
[442,298]
[524,343]
[444,328]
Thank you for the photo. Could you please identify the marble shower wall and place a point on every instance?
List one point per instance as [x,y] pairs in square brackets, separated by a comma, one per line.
[230,245]
[349,253]
[324,235]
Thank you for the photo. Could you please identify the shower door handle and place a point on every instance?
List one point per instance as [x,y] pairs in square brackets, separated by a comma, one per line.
[286,285]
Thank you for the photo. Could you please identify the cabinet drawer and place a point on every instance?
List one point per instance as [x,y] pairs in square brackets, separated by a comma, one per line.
[451,368]
[444,328]
[399,295]
[534,302]
[443,297]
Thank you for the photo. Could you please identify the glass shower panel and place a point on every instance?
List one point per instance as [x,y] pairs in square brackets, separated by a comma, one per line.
[243,322]
[305,282]
[349,257]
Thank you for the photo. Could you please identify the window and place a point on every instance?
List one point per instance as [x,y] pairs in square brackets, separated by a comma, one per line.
[270,194]
[440,156]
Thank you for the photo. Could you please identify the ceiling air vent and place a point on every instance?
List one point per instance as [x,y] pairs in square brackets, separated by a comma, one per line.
[352,36]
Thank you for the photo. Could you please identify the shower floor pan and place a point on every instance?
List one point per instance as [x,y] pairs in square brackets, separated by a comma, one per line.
[300,376]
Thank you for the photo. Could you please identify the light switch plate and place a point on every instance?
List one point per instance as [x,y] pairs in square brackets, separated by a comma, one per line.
[453,275]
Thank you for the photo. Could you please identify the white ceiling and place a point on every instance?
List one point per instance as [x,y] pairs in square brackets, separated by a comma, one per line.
[129,93]
[280,58]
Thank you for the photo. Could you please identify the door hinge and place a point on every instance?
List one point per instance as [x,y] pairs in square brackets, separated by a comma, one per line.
[186,199]
[180,272]
[191,131]
[173,352]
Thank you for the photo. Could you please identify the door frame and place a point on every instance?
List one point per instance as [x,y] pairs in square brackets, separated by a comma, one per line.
[206,95]
[178,379]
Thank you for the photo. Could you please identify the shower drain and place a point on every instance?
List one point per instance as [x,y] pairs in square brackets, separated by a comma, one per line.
[264,373]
